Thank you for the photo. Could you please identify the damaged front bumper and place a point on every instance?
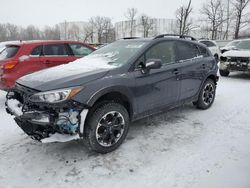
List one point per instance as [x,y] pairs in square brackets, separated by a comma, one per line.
[236,65]
[47,122]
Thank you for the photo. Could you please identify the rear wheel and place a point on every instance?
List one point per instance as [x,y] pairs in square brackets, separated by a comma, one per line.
[224,72]
[107,127]
[207,95]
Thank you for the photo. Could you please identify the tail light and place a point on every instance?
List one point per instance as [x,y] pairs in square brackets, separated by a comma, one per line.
[9,65]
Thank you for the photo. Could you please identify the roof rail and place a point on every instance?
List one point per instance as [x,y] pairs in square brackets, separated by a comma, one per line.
[175,35]
[128,38]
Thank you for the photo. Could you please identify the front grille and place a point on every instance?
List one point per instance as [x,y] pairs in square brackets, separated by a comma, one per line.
[240,59]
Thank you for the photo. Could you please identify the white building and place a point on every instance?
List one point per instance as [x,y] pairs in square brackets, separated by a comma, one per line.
[159,26]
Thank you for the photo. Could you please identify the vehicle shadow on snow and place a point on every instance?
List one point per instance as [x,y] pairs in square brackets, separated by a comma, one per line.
[244,76]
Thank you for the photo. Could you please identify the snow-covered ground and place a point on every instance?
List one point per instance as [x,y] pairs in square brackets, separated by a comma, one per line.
[183,148]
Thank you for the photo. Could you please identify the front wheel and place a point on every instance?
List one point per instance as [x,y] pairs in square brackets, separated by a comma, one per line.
[207,95]
[107,127]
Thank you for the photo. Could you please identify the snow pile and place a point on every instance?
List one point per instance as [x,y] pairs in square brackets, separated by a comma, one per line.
[15,107]
[60,138]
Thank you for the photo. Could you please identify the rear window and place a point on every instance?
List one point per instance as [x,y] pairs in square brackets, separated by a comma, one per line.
[203,51]
[208,43]
[186,51]
[9,52]
[80,50]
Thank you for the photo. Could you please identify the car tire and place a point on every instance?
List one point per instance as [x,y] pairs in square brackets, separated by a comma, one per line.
[224,72]
[106,127]
[206,95]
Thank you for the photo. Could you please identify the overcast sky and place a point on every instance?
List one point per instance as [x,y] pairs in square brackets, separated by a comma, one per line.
[50,12]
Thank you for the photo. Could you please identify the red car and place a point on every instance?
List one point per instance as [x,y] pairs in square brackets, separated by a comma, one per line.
[24,57]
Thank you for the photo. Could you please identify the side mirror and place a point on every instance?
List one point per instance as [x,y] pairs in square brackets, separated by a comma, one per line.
[153,64]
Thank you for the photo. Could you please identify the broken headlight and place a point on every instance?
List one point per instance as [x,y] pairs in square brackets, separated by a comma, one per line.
[55,96]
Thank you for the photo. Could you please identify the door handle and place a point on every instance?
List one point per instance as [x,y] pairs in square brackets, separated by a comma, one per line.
[176,71]
[204,66]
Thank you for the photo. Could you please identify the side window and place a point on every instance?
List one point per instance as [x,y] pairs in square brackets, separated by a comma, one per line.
[164,51]
[37,51]
[203,51]
[187,51]
[55,50]
[80,50]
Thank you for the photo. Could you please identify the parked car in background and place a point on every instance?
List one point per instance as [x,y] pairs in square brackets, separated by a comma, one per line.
[237,59]
[95,98]
[24,57]
[231,45]
[213,47]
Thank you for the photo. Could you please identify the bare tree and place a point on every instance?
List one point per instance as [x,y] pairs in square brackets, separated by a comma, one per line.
[239,7]
[102,26]
[183,15]
[147,24]
[74,32]
[3,32]
[131,15]
[213,11]
[89,33]
[51,33]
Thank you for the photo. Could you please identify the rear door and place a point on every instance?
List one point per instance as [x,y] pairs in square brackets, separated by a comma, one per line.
[192,68]
[159,87]
[56,54]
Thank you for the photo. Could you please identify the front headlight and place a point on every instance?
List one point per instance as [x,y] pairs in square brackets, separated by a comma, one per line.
[55,96]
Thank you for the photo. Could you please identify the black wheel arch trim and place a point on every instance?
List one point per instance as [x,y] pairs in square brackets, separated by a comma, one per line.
[124,91]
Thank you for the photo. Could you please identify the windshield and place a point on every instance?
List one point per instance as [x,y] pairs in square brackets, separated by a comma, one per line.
[119,52]
[233,43]
[8,52]
[243,45]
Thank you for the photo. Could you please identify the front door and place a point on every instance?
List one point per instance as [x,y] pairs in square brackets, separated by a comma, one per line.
[159,87]
[192,73]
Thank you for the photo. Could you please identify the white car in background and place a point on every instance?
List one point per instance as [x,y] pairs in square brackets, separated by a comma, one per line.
[213,47]
[237,59]
[230,46]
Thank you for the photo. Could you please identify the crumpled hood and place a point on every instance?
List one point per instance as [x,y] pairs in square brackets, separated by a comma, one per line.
[237,53]
[76,73]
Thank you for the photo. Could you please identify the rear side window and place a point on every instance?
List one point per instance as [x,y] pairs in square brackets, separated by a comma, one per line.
[187,51]
[208,43]
[203,51]
[37,51]
[55,50]
[164,51]
[8,52]
[80,50]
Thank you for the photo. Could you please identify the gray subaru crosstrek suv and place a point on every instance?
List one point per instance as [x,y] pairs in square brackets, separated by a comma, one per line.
[95,98]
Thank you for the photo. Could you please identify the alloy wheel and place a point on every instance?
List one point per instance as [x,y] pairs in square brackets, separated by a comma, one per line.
[110,128]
